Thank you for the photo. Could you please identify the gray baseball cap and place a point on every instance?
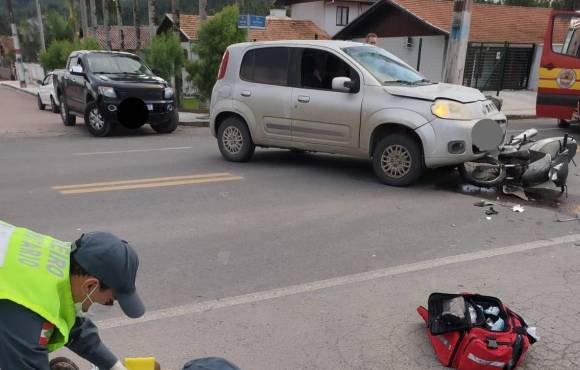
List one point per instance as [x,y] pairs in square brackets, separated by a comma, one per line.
[115,263]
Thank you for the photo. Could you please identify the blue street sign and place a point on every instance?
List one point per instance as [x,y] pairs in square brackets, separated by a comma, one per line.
[257,21]
[251,21]
[243,21]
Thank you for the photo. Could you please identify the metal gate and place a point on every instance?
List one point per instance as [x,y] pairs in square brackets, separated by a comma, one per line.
[498,67]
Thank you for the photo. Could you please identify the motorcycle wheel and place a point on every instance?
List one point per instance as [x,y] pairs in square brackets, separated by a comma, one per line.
[485,172]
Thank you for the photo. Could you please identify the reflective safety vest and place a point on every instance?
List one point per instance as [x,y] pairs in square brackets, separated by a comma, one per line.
[34,273]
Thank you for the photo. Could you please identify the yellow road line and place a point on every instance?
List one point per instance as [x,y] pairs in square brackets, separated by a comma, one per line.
[139,181]
[155,184]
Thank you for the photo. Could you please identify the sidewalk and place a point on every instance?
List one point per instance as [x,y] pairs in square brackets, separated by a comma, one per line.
[517,104]
[367,323]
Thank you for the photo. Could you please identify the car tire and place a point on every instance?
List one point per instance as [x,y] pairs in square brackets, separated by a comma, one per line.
[234,140]
[168,126]
[397,160]
[562,123]
[53,105]
[67,119]
[39,102]
[97,124]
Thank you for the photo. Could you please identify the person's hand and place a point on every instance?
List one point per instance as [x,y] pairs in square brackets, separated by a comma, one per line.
[118,366]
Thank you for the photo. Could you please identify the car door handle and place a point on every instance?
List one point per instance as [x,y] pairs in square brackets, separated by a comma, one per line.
[303,98]
[246,93]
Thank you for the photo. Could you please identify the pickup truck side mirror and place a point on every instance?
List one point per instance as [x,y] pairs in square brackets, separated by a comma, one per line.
[156,72]
[77,70]
[343,84]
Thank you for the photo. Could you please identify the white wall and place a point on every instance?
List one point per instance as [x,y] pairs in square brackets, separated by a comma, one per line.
[432,53]
[535,70]
[313,11]
[33,72]
[324,15]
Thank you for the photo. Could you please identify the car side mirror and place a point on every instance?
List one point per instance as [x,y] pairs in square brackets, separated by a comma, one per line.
[343,84]
[156,72]
[77,70]
[39,82]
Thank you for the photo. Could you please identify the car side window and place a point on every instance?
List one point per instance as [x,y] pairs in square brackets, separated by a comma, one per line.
[46,80]
[72,62]
[266,66]
[318,68]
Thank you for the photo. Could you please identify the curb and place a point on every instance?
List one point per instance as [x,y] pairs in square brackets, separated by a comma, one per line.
[18,89]
[195,124]
[520,116]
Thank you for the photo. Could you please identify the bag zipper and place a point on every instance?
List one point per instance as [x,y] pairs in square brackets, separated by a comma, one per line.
[459,341]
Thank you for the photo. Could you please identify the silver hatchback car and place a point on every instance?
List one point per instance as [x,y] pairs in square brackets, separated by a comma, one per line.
[348,98]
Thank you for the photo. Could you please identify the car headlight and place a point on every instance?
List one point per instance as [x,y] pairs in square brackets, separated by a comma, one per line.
[107,91]
[450,109]
[168,93]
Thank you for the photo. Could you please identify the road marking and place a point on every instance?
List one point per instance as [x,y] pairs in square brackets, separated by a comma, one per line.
[199,307]
[539,130]
[145,183]
[135,150]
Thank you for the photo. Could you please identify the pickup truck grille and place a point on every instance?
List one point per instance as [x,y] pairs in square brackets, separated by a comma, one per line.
[148,94]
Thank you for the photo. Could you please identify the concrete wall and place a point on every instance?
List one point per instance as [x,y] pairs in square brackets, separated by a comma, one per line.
[324,14]
[432,53]
[33,72]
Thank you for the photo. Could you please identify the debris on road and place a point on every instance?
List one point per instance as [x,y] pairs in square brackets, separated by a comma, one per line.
[558,219]
[483,203]
[491,211]
[518,191]
[518,208]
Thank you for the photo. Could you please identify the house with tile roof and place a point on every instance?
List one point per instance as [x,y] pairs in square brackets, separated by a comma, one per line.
[123,38]
[330,15]
[504,40]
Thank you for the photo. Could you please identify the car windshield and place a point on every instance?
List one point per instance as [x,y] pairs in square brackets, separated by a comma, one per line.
[384,67]
[117,64]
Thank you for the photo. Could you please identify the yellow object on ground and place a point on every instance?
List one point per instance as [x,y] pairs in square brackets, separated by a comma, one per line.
[141,363]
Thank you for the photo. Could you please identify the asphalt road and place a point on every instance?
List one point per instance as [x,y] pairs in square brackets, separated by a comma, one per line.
[259,236]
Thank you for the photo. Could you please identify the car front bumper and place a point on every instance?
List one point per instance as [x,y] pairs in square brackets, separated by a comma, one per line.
[451,142]
[159,111]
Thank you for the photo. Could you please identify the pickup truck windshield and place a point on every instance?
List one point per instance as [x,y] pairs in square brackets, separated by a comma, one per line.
[116,64]
[381,65]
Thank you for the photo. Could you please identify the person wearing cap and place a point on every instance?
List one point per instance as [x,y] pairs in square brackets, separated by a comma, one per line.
[49,288]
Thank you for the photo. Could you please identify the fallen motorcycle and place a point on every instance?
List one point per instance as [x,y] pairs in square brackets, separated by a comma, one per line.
[523,163]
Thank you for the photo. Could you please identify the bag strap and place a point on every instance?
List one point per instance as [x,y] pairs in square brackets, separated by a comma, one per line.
[523,328]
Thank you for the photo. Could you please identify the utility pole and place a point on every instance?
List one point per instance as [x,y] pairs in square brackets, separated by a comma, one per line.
[18,54]
[94,22]
[136,23]
[458,42]
[202,10]
[41,25]
[84,18]
[106,4]
[151,7]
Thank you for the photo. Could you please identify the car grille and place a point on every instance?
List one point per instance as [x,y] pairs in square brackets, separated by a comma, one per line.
[145,94]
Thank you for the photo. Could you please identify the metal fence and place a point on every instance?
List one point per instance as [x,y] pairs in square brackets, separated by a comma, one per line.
[498,66]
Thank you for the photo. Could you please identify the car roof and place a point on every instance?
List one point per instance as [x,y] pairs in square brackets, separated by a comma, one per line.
[333,44]
[84,52]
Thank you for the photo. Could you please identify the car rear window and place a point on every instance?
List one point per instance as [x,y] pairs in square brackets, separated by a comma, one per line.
[266,66]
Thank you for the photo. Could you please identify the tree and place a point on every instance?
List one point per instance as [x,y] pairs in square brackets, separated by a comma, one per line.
[566,4]
[106,4]
[164,54]
[57,52]
[214,36]
[151,9]
[520,2]
[28,34]
[57,28]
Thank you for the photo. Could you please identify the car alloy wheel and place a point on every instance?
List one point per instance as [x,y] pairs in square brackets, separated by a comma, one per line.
[96,119]
[232,140]
[396,161]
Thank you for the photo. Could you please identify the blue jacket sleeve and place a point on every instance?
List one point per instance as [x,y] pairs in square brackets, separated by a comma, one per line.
[84,340]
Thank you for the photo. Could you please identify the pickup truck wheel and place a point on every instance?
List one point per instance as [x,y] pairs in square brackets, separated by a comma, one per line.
[67,119]
[95,122]
[53,105]
[39,102]
[397,160]
[235,141]
[168,126]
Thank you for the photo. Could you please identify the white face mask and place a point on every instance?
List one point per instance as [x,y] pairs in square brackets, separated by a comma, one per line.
[95,309]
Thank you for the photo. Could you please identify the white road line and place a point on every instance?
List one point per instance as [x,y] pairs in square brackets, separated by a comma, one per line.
[136,150]
[191,308]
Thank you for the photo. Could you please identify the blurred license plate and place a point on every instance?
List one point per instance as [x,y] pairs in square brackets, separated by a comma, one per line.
[149,106]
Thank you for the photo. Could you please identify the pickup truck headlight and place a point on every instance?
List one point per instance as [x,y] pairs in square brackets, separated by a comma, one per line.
[449,109]
[107,91]
[168,93]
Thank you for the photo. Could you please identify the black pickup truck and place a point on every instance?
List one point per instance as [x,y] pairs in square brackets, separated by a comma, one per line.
[111,88]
